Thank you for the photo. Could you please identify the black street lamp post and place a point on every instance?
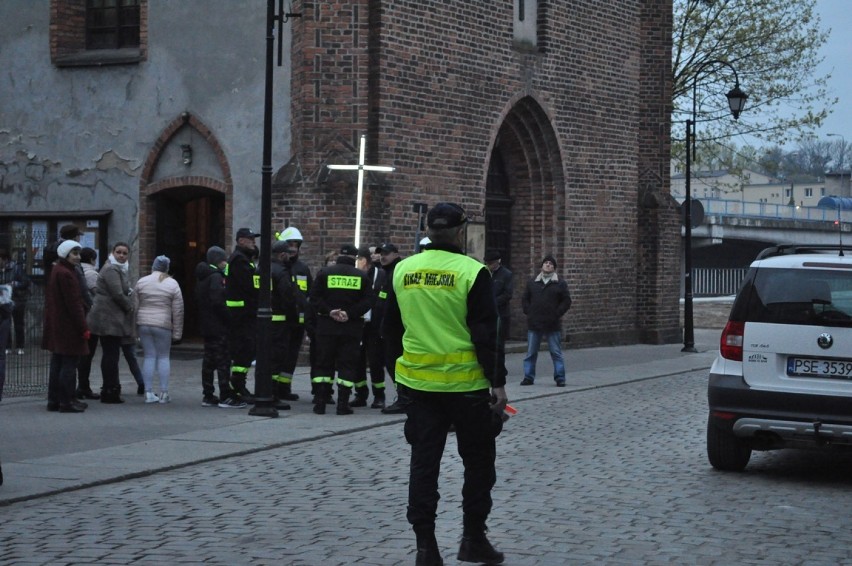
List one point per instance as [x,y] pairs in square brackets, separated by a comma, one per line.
[264,403]
[736,101]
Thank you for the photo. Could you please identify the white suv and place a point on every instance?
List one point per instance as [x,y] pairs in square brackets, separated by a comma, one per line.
[783,377]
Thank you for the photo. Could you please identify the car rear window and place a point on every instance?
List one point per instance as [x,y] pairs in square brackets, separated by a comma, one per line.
[797,296]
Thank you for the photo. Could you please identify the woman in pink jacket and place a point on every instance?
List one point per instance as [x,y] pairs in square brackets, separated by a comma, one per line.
[159,318]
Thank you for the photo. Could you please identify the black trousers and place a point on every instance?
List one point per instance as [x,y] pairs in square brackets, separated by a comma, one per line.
[280,353]
[216,360]
[18,316]
[241,346]
[336,352]
[477,426]
[293,346]
[110,352]
[372,357]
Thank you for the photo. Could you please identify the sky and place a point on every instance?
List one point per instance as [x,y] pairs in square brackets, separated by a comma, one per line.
[837,51]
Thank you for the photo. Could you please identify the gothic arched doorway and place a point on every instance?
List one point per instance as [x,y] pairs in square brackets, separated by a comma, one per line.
[188,221]
[525,194]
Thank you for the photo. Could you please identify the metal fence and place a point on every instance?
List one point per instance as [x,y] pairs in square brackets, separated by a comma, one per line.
[715,282]
[27,367]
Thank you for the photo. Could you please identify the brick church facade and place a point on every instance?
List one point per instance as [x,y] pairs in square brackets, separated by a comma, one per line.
[548,121]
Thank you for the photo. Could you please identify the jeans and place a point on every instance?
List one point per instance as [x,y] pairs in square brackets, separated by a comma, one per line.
[156,345]
[554,340]
[62,379]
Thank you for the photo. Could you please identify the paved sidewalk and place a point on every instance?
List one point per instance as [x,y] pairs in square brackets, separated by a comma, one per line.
[45,453]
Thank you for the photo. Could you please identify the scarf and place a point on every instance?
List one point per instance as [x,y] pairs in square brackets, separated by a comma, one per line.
[122,266]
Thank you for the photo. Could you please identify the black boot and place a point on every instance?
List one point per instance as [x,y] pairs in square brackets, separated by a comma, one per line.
[321,398]
[285,392]
[428,553]
[360,399]
[476,548]
[112,396]
[343,407]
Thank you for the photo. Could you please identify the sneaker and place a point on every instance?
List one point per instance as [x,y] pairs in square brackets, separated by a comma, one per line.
[232,403]
[560,383]
[527,381]
[20,351]
[164,397]
[210,401]
[151,397]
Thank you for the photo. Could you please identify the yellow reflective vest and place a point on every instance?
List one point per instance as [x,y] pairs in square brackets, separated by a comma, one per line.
[431,289]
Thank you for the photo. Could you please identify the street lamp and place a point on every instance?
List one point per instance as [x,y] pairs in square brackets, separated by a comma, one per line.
[736,101]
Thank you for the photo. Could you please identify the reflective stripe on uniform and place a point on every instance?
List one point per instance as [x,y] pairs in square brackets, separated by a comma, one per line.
[432,359]
[279,317]
[345,383]
[234,304]
[322,380]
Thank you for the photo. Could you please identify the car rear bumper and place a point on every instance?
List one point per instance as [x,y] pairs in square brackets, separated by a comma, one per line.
[778,419]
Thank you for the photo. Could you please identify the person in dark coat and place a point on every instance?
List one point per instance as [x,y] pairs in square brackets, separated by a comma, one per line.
[546,300]
[66,334]
[372,348]
[213,320]
[12,273]
[502,281]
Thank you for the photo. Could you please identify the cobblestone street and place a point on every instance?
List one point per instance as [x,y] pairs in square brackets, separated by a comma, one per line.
[615,475]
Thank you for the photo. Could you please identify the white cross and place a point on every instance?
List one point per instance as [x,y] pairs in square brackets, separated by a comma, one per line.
[361,167]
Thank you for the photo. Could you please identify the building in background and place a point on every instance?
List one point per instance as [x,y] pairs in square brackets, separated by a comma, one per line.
[548,121]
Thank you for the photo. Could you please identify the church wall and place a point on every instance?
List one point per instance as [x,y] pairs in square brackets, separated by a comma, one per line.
[77,138]
[446,76]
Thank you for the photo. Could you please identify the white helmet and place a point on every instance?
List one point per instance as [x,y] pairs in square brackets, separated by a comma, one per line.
[291,233]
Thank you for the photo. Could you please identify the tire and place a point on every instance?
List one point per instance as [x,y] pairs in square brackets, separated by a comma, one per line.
[725,451]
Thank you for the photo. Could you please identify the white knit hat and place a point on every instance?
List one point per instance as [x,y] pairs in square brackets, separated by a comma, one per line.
[66,247]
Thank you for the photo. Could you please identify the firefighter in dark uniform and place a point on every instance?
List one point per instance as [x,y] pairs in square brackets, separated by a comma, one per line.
[372,348]
[241,296]
[340,297]
[282,302]
[442,316]
[299,316]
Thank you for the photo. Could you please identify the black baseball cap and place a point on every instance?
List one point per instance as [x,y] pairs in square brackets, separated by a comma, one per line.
[492,255]
[446,215]
[349,249]
[387,248]
[246,233]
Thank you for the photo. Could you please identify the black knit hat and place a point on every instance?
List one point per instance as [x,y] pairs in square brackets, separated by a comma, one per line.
[551,259]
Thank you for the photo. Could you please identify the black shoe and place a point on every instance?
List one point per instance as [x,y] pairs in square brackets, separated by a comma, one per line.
[560,383]
[246,396]
[393,409]
[72,408]
[210,401]
[527,381]
[378,403]
[478,549]
[344,410]
[428,557]
[281,405]
[140,389]
[319,408]
[358,402]
[83,394]
[52,406]
[111,397]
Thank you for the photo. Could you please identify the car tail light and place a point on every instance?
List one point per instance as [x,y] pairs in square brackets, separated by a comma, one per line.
[731,344]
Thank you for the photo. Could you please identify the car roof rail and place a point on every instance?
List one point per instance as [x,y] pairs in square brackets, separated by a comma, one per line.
[792,249]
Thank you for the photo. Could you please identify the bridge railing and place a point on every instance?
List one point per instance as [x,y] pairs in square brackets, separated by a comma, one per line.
[716,282]
[725,207]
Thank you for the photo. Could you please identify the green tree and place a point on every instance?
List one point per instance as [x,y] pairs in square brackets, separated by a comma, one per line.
[773,45]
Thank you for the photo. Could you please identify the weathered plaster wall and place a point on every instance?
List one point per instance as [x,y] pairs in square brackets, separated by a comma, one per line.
[77,138]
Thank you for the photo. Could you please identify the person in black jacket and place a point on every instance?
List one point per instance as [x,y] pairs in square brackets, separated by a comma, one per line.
[340,297]
[300,319]
[390,258]
[502,281]
[546,300]
[242,286]
[282,301]
[213,321]
[372,348]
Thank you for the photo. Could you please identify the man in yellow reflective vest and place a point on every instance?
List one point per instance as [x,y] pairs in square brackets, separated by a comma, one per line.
[242,285]
[442,319]
[340,297]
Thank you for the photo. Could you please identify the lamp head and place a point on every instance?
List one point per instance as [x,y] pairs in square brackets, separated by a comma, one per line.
[736,100]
